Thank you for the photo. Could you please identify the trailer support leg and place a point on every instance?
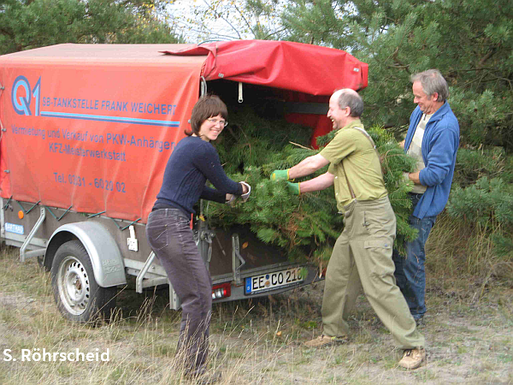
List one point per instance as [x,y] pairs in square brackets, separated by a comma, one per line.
[174,301]
[34,253]
[142,273]
[237,260]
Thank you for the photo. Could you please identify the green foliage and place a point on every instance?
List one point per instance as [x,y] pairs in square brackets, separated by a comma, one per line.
[37,23]
[482,196]
[484,118]
[472,164]
[486,204]
[483,202]
[503,244]
[251,140]
[307,225]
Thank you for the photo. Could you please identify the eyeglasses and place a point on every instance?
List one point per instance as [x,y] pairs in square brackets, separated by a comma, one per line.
[223,123]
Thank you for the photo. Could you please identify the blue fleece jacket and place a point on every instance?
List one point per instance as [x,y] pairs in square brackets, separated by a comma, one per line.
[439,148]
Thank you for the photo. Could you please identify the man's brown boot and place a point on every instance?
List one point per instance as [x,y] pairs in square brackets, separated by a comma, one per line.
[413,358]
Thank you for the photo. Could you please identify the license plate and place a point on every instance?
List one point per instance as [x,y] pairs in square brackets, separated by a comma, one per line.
[272,281]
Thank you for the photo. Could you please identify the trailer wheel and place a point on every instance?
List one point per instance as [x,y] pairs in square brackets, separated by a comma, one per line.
[78,296]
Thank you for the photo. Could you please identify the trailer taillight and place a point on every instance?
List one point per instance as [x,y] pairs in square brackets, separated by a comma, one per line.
[221,291]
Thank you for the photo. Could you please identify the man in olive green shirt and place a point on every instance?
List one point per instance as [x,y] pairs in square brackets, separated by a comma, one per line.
[362,255]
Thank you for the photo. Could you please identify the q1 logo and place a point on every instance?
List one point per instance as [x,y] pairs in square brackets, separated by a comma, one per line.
[22,96]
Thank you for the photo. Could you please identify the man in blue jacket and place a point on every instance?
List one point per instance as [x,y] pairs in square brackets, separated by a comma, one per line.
[433,139]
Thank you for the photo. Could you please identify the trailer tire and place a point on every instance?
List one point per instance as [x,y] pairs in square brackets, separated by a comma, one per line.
[78,296]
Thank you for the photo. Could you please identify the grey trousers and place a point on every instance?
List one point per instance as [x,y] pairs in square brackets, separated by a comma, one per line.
[362,258]
[172,240]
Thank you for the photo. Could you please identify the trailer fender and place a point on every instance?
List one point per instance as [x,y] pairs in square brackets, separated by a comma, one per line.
[106,259]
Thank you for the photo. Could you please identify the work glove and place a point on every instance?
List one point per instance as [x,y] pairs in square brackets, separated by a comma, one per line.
[278,175]
[294,188]
[245,196]
[232,199]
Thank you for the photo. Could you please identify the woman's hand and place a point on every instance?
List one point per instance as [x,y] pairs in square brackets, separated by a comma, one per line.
[230,199]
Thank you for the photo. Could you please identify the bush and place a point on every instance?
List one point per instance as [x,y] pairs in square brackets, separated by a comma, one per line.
[487,205]
[472,164]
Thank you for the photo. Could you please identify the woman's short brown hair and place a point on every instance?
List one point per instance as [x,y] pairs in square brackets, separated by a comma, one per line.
[206,107]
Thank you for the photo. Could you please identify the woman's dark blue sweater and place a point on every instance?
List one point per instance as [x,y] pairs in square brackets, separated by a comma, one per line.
[191,163]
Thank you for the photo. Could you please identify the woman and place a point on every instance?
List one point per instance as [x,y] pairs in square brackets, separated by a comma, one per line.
[193,161]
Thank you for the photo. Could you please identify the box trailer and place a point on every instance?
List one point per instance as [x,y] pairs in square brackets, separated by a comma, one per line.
[86,132]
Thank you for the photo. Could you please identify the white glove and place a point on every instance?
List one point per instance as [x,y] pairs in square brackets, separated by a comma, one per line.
[245,196]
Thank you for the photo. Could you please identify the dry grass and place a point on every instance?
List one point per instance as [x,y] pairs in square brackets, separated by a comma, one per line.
[469,332]
[454,249]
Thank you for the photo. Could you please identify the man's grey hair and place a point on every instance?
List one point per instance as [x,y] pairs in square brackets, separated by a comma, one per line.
[350,98]
[432,81]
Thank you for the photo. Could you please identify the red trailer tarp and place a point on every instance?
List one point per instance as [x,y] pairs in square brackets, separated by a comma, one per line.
[90,127]
[291,66]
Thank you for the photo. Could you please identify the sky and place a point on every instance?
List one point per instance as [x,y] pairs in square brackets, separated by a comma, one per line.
[182,12]
[232,25]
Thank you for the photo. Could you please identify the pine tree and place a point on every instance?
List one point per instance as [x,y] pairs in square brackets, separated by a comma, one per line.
[27,24]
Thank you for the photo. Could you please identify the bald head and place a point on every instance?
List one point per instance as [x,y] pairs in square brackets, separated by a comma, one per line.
[345,106]
[347,97]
